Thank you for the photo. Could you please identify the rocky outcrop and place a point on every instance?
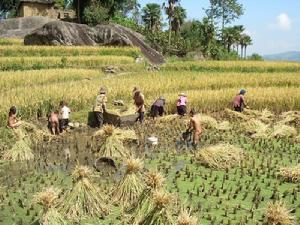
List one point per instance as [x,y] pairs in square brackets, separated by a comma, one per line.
[20,27]
[65,33]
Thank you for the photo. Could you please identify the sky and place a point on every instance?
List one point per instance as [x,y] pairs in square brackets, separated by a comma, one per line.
[274,25]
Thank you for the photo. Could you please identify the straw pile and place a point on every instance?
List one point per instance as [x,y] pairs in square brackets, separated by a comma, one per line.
[168,118]
[265,115]
[131,185]
[112,141]
[20,151]
[48,199]
[84,199]
[236,115]
[221,156]
[185,218]
[31,130]
[207,121]
[284,131]
[223,126]
[290,117]
[290,174]
[256,128]
[160,212]
[278,214]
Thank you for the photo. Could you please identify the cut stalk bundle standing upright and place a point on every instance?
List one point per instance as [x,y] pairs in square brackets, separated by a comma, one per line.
[84,199]
[131,185]
[20,151]
[112,141]
[185,218]
[48,199]
[278,214]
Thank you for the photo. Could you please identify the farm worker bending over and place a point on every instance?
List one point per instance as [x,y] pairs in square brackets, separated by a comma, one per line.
[195,127]
[54,122]
[13,121]
[157,109]
[100,106]
[64,115]
[239,101]
[139,102]
[181,104]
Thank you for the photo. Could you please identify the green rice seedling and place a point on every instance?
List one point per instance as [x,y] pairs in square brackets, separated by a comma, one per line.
[84,199]
[131,185]
[48,199]
[185,218]
[20,151]
[278,214]
[112,141]
[284,131]
[290,174]
[161,211]
[221,156]
[154,181]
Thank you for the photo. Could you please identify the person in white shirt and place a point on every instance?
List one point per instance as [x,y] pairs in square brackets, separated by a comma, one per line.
[64,116]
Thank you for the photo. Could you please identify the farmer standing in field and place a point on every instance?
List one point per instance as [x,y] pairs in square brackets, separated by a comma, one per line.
[64,116]
[181,104]
[195,128]
[239,101]
[13,121]
[54,122]
[100,107]
[139,102]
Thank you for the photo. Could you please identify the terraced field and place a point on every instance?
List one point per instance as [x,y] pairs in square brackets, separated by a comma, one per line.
[258,163]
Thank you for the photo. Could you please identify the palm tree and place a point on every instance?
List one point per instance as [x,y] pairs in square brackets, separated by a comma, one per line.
[247,42]
[178,19]
[170,12]
[152,17]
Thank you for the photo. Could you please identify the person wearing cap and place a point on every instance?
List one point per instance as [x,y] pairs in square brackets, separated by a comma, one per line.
[157,109]
[239,101]
[99,107]
[195,128]
[139,102]
[181,104]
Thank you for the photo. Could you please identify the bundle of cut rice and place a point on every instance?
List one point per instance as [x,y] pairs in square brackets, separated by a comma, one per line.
[225,125]
[256,128]
[160,212]
[290,174]
[168,118]
[154,181]
[266,116]
[297,139]
[20,151]
[221,156]
[131,185]
[185,218]
[34,132]
[278,214]
[112,141]
[48,199]
[84,199]
[290,117]
[236,115]
[282,131]
[207,121]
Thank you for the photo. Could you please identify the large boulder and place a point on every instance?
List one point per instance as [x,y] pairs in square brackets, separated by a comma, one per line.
[20,27]
[65,33]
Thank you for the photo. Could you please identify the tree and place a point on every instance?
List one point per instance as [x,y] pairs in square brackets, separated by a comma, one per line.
[224,11]
[247,42]
[95,14]
[231,36]
[152,17]
[170,10]
[178,19]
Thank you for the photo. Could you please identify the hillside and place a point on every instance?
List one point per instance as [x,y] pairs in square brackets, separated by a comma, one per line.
[285,56]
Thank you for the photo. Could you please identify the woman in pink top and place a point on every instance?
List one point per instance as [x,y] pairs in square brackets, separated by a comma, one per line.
[181,104]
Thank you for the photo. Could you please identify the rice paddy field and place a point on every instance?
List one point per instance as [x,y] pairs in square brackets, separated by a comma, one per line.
[245,170]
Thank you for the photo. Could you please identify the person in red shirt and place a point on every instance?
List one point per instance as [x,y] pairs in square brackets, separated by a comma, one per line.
[239,101]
